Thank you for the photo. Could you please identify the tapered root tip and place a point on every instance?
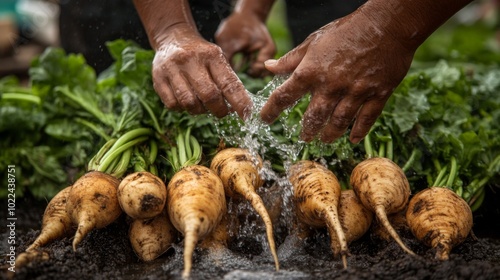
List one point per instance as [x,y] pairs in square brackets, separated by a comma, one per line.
[344,260]
[83,230]
[32,247]
[259,207]
[382,216]
[442,252]
[190,240]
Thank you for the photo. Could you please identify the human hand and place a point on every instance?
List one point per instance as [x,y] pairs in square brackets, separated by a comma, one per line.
[350,67]
[192,74]
[248,35]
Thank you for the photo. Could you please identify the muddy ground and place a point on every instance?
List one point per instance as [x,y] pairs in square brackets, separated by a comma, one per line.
[107,254]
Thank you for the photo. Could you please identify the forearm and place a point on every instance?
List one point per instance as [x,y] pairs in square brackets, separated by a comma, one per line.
[261,8]
[159,17]
[411,21]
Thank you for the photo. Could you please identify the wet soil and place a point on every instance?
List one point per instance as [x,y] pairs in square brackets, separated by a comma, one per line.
[107,254]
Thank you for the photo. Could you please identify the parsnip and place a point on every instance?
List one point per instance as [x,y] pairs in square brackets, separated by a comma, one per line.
[440,219]
[354,218]
[142,195]
[239,172]
[56,222]
[196,204]
[383,188]
[152,237]
[93,203]
[317,196]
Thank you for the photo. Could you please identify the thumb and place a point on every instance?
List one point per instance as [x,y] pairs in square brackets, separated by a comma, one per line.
[287,63]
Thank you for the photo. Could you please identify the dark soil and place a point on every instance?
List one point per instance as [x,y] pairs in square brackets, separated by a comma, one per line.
[107,254]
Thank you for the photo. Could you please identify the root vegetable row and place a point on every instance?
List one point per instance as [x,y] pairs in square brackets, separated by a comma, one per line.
[194,205]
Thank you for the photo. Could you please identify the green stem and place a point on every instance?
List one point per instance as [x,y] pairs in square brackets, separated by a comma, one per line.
[477,200]
[21,97]
[153,170]
[108,159]
[111,167]
[138,132]
[89,107]
[381,151]
[390,149]
[188,151]
[196,155]
[153,151]
[437,164]
[368,146]
[123,164]
[151,115]
[453,173]
[493,165]
[410,161]
[437,182]
[187,137]
[140,163]
[95,160]
[174,159]
[181,149]
[305,153]
[94,128]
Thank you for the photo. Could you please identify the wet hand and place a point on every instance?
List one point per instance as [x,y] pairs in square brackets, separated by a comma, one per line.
[248,35]
[350,67]
[191,74]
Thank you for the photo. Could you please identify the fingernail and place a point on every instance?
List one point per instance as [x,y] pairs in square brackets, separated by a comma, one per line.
[270,62]
[355,140]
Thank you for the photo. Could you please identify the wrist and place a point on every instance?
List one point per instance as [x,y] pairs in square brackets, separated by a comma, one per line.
[163,19]
[258,8]
[173,34]
[410,22]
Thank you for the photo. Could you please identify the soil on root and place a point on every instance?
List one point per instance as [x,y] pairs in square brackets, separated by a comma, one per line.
[106,254]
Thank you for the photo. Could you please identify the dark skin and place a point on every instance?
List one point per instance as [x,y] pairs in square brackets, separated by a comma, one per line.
[245,32]
[189,73]
[350,66]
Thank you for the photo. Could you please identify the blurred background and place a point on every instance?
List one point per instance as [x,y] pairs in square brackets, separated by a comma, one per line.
[27,27]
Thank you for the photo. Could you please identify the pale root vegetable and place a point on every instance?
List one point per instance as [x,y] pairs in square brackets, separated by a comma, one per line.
[196,204]
[440,219]
[150,238]
[397,221]
[216,242]
[142,195]
[382,187]
[316,193]
[354,218]
[56,222]
[93,203]
[24,259]
[239,171]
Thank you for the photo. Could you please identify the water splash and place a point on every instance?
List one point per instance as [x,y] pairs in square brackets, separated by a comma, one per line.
[259,137]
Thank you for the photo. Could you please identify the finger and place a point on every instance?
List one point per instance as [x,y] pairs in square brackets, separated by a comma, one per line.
[185,95]
[288,62]
[266,52]
[317,114]
[365,119]
[283,97]
[164,91]
[231,88]
[341,119]
[209,94]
